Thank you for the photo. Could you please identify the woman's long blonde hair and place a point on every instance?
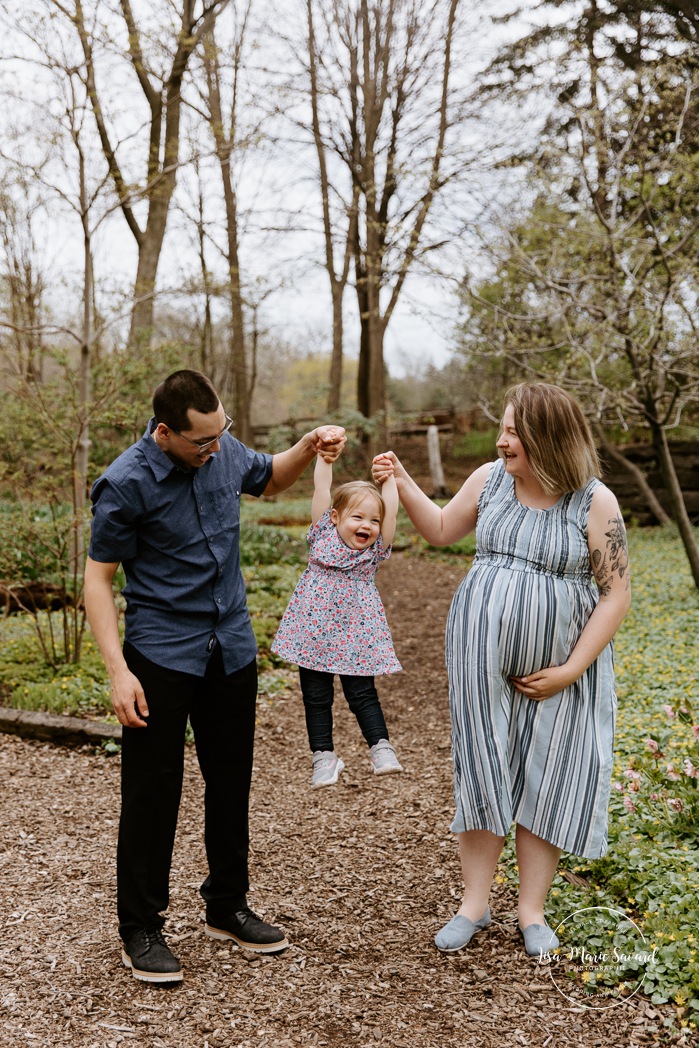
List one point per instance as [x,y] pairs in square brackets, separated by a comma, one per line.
[555,435]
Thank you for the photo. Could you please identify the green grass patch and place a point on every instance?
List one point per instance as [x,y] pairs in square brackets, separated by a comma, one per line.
[477,444]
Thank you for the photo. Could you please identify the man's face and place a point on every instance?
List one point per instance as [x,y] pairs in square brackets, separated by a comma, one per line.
[202,429]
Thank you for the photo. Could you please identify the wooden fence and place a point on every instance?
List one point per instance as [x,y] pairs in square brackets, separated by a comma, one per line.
[685,455]
[412,429]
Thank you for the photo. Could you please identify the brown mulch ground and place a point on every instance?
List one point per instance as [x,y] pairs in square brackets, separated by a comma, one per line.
[361,875]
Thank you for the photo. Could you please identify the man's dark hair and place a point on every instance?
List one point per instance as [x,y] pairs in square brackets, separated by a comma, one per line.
[178,393]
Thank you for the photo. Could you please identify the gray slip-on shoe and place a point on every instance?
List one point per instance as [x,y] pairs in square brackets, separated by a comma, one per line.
[539,939]
[459,932]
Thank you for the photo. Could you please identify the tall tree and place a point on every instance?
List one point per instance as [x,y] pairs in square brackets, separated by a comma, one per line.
[162,90]
[605,257]
[339,237]
[22,283]
[383,102]
[64,167]
[232,134]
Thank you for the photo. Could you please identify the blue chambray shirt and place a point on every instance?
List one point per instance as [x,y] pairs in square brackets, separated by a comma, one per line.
[176,533]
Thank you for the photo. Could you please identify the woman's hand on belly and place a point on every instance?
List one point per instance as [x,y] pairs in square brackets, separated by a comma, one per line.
[544,683]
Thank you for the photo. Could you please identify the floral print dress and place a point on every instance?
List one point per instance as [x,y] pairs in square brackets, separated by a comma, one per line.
[335,621]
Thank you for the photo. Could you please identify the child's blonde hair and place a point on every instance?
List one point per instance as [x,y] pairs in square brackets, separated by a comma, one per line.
[348,495]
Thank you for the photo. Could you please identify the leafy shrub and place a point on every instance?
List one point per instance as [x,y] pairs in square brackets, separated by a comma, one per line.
[662,781]
[262,544]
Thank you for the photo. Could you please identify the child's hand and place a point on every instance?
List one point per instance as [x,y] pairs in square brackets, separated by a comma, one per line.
[382,468]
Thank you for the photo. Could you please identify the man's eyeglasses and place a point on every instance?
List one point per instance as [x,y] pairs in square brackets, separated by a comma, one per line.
[203,445]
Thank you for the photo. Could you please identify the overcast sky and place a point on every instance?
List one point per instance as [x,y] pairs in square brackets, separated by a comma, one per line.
[298,309]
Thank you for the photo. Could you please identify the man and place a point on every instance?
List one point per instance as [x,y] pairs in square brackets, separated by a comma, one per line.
[168,510]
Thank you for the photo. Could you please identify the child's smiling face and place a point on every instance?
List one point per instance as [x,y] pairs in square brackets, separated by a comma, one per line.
[360,524]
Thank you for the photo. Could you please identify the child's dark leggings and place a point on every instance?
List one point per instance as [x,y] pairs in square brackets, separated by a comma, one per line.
[362,698]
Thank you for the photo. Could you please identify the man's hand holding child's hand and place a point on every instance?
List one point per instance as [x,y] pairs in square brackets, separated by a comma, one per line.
[329,441]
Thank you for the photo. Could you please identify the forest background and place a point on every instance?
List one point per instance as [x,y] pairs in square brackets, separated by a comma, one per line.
[290,196]
[362,210]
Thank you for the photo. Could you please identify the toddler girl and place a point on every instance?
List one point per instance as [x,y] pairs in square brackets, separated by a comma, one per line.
[335,621]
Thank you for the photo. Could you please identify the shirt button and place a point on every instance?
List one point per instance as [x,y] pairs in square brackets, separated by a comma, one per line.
[219,601]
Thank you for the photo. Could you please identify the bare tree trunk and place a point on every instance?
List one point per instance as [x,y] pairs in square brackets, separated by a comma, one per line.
[375,247]
[206,354]
[253,356]
[363,366]
[338,283]
[611,452]
[384,70]
[238,356]
[677,503]
[141,329]
[82,452]
[225,138]
[74,623]
[24,288]
[337,356]
[164,100]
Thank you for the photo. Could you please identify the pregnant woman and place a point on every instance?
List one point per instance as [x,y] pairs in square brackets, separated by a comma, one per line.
[529,653]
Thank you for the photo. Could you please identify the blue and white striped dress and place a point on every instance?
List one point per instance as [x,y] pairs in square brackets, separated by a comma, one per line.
[545,765]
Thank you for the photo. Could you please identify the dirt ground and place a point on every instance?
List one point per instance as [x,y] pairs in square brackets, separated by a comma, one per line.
[361,875]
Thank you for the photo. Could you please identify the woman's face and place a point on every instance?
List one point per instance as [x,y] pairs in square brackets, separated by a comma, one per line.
[510,446]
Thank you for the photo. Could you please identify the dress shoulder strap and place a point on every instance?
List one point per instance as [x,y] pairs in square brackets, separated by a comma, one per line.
[494,481]
[581,500]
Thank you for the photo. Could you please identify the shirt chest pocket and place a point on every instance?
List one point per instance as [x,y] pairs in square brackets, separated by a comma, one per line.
[224,507]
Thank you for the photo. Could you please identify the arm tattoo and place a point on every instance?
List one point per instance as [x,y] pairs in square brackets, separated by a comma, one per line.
[615,558]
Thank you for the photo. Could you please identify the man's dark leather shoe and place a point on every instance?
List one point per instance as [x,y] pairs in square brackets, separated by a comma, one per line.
[246,928]
[148,956]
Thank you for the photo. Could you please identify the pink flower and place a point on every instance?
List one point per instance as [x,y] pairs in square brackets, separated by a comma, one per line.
[631,774]
[670,712]
[651,745]
[618,787]
[654,796]
[695,731]
[675,803]
[672,774]
[629,805]
[690,770]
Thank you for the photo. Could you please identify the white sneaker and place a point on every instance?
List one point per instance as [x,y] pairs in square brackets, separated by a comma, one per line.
[326,768]
[383,758]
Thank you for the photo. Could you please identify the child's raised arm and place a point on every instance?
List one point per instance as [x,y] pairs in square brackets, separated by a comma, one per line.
[322,480]
[389,491]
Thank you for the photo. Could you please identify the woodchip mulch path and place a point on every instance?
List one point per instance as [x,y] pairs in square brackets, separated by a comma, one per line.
[361,875]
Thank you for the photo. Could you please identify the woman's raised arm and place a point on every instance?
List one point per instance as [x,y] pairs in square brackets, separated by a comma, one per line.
[440,527]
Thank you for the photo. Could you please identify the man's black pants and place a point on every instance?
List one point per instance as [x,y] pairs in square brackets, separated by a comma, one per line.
[222,713]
